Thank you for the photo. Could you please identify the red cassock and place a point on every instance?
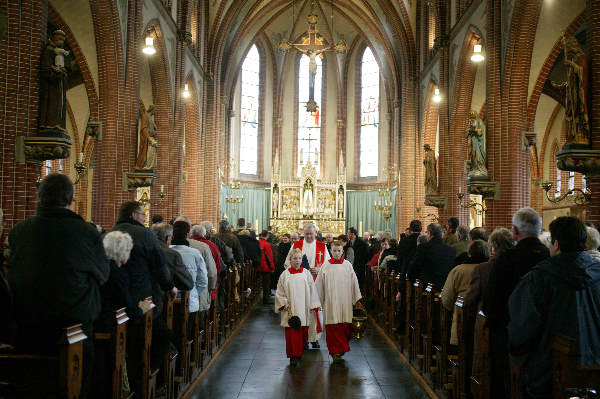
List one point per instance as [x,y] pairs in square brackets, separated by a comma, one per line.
[337,336]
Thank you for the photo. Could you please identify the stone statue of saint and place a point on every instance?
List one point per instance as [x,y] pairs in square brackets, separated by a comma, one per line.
[431,186]
[53,80]
[477,158]
[576,106]
[275,201]
[340,199]
[307,198]
[147,139]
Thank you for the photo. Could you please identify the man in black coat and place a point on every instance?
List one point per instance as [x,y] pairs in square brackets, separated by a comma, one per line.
[559,295]
[506,272]
[361,252]
[250,246]
[408,246]
[146,266]
[433,260]
[181,276]
[57,265]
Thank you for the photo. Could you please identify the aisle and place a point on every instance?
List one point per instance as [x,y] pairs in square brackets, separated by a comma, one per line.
[254,365]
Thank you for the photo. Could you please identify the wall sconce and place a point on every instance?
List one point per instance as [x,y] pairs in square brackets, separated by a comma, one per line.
[186,91]
[477,55]
[436,95]
[580,196]
[80,168]
[149,47]
[433,216]
[479,208]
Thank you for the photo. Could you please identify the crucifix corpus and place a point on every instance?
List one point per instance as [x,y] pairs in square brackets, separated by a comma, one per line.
[312,45]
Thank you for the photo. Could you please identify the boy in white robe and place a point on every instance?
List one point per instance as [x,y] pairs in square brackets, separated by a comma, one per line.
[339,292]
[296,295]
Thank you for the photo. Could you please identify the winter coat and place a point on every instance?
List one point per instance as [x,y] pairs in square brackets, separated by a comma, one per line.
[267,265]
[57,264]
[559,295]
[251,249]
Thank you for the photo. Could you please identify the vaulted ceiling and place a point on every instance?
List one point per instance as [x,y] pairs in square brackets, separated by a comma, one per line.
[385,25]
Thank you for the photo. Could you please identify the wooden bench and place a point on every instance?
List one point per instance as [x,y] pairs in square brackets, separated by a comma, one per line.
[464,360]
[569,378]
[184,345]
[33,376]
[110,353]
[417,324]
[408,314]
[431,333]
[480,379]
[443,379]
[170,361]
[143,336]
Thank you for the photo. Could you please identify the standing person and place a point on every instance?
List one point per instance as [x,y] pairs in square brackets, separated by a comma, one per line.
[57,264]
[450,237]
[560,295]
[283,248]
[314,255]
[296,295]
[348,251]
[433,260]
[339,292]
[328,241]
[506,273]
[266,266]
[361,254]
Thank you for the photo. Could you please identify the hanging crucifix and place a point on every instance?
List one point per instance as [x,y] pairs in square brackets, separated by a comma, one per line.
[312,45]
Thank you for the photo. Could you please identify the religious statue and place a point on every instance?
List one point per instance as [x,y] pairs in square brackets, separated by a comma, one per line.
[576,87]
[307,197]
[53,80]
[148,140]
[431,187]
[477,157]
[341,200]
[275,202]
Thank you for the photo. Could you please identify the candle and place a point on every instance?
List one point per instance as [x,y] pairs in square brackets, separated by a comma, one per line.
[360,228]
[460,189]
[256,225]
[162,188]
[81,157]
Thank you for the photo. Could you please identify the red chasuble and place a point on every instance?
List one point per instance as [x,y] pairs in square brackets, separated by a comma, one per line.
[319,251]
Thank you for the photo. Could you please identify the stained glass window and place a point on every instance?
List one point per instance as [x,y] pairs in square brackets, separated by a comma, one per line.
[249,113]
[369,120]
[571,180]
[558,183]
[309,123]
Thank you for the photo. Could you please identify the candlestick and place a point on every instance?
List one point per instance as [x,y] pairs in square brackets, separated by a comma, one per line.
[81,157]
[162,188]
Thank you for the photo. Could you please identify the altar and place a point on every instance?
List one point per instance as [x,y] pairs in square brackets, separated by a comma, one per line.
[308,199]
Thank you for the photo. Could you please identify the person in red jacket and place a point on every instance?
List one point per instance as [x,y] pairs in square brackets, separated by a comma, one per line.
[267,266]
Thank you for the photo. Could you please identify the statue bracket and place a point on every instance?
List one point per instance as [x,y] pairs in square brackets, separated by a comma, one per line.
[436,200]
[140,178]
[94,129]
[483,186]
[39,149]
[184,37]
[529,140]
[581,160]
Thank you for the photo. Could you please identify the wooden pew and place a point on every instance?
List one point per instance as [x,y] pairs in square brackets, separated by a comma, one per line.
[443,379]
[110,353]
[170,361]
[184,345]
[33,376]
[431,333]
[480,379]
[146,375]
[399,309]
[464,360]
[417,323]
[197,355]
[569,378]
[408,313]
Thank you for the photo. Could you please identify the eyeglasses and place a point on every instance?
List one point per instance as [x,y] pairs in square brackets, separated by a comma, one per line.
[140,212]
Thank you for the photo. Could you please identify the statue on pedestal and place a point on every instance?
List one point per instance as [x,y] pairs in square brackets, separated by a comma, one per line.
[147,140]
[307,197]
[431,186]
[477,157]
[53,79]
[576,87]
[275,201]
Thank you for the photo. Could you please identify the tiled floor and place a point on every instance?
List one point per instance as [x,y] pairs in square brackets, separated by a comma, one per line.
[254,365]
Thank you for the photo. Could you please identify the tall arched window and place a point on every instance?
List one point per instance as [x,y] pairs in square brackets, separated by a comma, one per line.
[249,113]
[309,123]
[369,120]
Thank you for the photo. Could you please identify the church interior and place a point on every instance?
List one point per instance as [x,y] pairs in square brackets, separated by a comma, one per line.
[356,118]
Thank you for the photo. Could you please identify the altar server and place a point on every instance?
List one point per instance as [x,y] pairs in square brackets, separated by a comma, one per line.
[339,292]
[314,255]
[296,298]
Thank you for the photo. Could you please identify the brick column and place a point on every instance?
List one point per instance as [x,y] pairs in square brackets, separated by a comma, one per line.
[21,48]
[593,23]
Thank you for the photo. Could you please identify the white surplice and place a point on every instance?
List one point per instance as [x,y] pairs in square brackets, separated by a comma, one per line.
[310,250]
[339,291]
[299,291]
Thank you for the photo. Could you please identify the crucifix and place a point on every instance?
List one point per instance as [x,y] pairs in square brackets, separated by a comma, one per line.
[312,45]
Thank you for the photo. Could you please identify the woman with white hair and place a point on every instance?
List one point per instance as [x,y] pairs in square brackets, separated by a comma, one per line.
[115,293]
[592,242]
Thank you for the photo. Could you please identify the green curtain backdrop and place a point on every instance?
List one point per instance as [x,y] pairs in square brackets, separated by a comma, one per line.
[256,206]
[359,208]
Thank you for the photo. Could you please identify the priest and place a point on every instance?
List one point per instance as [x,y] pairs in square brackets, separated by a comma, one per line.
[314,255]
[339,292]
[296,298]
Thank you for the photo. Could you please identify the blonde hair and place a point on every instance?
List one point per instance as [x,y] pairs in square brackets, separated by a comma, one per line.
[295,251]
[337,243]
